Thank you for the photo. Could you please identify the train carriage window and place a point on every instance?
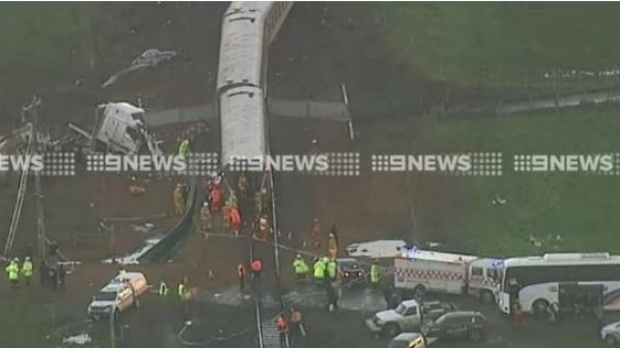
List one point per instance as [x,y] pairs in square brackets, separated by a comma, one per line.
[476,271]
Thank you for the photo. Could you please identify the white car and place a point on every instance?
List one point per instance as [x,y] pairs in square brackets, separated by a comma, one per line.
[611,333]
[119,295]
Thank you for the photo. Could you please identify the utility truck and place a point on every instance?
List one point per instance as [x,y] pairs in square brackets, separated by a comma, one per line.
[119,295]
[409,316]
[419,271]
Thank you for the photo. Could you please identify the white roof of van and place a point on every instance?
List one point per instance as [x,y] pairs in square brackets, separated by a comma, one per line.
[377,249]
[127,276]
[416,254]
[113,287]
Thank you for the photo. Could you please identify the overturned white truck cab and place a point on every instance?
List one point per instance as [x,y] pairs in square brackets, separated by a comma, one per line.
[121,126]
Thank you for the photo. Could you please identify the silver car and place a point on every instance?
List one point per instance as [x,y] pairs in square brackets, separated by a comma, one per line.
[611,333]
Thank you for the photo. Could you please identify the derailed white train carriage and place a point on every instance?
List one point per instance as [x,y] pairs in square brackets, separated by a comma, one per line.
[247,31]
[244,134]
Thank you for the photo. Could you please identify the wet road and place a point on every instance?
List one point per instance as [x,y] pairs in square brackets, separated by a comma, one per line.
[226,320]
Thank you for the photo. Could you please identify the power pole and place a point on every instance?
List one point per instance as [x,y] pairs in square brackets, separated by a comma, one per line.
[33,109]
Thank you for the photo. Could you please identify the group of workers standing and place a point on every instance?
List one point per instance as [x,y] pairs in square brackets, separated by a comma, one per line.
[214,203]
[14,271]
[182,289]
[215,200]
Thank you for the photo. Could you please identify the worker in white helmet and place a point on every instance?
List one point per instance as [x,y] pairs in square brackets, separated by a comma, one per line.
[205,217]
[12,272]
[27,270]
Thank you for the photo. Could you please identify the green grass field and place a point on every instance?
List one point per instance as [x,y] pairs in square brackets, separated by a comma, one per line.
[583,208]
[505,44]
[43,39]
[19,317]
[35,325]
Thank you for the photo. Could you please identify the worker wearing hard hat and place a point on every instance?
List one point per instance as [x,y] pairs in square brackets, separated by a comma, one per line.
[12,271]
[163,289]
[235,220]
[332,246]
[205,217]
[242,185]
[319,271]
[226,214]
[300,268]
[316,233]
[374,273]
[263,228]
[257,270]
[332,269]
[179,199]
[216,197]
[184,148]
[27,270]
[182,290]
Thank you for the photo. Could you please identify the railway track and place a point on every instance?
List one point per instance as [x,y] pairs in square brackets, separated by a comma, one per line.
[267,333]
[247,31]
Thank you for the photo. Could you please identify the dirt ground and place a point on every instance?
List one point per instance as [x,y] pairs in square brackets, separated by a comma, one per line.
[76,206]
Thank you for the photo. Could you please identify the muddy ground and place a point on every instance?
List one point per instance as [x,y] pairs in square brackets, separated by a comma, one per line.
[364,207]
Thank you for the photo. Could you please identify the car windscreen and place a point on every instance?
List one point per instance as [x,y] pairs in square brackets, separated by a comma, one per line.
[105,296]
[401,309]
[399,344]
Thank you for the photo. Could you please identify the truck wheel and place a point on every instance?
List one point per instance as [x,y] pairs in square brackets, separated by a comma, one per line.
[476,335]
[540,307]
[610,340]
[419,291]
[391,330]
[487,297]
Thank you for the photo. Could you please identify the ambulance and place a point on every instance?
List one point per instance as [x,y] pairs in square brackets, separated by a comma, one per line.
[419,271]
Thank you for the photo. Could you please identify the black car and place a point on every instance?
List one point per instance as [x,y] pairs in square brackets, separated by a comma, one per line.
[457,325]
[352,271]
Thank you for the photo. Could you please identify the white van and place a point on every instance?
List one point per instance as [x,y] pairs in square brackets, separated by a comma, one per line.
[378,249]
[119,295]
